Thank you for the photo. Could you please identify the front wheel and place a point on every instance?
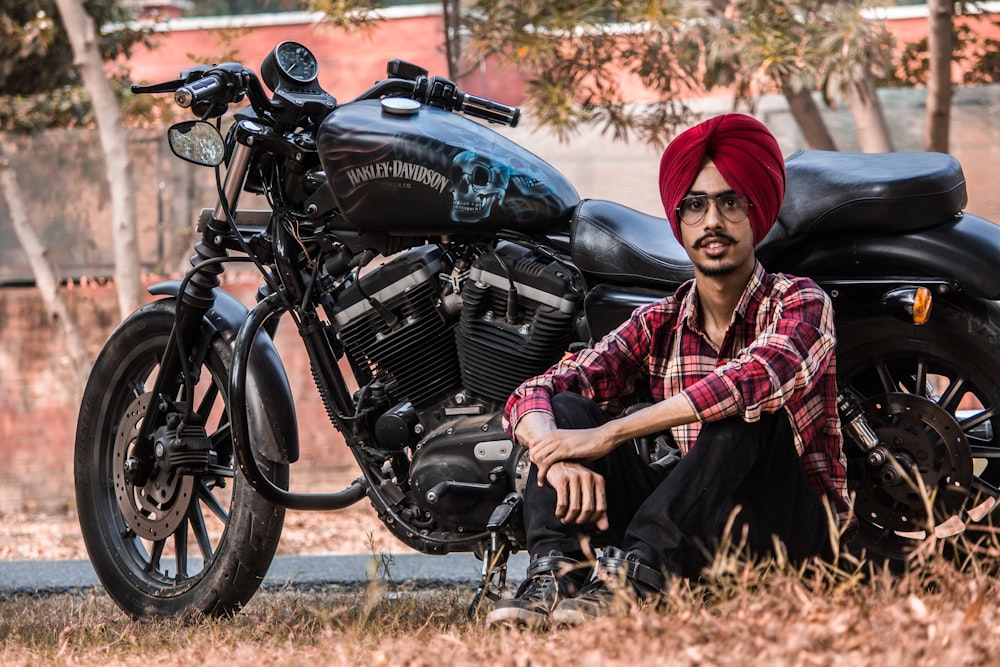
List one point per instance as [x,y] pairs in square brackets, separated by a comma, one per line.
[180,543]
[921,382]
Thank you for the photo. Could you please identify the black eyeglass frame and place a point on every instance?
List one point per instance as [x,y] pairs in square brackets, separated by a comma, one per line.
[705,198]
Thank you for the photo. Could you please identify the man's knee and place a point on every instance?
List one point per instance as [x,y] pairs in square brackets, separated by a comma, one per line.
[571,410]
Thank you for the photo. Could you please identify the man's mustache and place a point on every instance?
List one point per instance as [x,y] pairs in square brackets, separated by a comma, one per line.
[714,235]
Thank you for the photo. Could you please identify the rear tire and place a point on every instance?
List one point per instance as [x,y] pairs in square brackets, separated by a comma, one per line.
[213,536]
[952,360]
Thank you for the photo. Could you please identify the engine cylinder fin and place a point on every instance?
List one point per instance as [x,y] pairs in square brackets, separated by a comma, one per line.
[416,360]
[495,355]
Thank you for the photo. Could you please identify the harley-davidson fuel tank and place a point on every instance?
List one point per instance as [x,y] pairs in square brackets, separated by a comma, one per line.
[415,169]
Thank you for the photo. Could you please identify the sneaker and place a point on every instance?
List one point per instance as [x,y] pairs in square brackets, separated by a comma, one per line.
[551,579]
[618,577]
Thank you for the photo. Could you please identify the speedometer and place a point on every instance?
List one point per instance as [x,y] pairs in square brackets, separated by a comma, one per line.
[296,62]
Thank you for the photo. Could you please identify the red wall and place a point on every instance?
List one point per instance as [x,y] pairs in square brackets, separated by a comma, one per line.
[349,62]
[39,401]
[352,61]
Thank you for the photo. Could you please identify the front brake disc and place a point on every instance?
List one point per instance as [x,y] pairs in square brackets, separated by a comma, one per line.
[155,510]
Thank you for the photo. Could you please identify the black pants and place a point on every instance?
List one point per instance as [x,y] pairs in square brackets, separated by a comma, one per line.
[673,521]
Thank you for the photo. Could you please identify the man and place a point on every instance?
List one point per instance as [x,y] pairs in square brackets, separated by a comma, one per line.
[740,365]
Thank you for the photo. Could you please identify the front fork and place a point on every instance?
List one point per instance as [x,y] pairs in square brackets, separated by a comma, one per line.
[196,299]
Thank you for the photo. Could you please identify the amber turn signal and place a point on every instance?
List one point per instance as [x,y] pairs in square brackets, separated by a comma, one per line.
[909,303]
[922,305]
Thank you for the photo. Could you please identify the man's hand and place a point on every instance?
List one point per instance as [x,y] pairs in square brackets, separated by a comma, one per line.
[548,444]
[579,493]
[584,444]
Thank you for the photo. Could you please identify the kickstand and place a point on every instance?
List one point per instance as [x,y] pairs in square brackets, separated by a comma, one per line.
[493,582]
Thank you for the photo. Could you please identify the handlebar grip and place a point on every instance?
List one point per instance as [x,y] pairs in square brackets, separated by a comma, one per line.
[494,112]
[199,90]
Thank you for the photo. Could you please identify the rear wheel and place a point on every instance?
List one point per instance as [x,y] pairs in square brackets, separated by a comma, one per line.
[180,543]
[946,369]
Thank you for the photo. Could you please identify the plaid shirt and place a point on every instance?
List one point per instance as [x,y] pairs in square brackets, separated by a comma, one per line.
[778,353]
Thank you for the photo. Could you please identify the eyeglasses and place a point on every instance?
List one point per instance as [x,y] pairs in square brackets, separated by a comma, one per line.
[731,206]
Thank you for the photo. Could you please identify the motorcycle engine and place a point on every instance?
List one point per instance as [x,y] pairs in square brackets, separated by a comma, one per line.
[447,372]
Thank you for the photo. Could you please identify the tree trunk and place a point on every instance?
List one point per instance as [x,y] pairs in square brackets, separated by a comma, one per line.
[939,87]
[114,142]
[869,120]
[45,277]
[452,38]
[807,116]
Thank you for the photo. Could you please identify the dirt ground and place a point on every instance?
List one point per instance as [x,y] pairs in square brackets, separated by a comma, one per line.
[55,534]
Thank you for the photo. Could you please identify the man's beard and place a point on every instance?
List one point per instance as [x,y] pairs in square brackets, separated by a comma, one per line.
[722,269]
[716,271]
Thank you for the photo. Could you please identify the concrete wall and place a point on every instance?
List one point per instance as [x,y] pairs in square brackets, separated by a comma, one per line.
[61,176]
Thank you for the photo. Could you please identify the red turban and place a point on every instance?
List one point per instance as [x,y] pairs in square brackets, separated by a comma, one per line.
[745,153]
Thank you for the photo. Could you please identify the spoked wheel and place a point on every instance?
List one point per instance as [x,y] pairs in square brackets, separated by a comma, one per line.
[178,543]
[932,394]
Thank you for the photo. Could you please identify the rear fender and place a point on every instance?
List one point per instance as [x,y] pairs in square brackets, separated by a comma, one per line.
[270,407]
[964,250]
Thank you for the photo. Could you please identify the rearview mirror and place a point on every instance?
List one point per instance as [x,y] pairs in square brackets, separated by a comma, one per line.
[197,141]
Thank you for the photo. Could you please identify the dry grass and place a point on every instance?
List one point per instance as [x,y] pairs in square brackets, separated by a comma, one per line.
[742,613]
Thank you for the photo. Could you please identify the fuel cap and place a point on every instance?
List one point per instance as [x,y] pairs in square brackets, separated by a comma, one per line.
[400,106]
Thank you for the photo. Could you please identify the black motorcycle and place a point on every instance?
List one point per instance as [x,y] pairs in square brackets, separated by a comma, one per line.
[491,269]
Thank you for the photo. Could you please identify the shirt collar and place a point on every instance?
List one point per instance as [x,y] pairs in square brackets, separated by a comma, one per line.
[754,291]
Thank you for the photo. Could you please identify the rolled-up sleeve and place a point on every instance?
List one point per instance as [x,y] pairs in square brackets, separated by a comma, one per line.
[606,373]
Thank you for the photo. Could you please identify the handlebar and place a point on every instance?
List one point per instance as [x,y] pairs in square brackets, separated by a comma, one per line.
[199,90]
[440,92]
[411,81]
[210,89]
[495,112]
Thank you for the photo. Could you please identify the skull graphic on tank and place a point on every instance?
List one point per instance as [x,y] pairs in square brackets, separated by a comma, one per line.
[479,184]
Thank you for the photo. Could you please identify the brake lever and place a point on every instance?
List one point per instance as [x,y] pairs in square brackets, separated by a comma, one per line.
[187,76]
[165,87]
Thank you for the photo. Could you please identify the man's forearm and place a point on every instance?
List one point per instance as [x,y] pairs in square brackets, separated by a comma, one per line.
[674,411]
[655,418]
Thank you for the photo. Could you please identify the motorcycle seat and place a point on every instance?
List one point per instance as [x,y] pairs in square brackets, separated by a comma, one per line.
[829,192]
[622,245]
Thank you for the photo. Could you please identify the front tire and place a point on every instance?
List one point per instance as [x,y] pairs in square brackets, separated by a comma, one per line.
[190,544]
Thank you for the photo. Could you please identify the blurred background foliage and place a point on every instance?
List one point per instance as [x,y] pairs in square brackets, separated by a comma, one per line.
[39,87]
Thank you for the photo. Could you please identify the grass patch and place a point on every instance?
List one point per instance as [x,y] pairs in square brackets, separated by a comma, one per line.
[939,613]
[277,627]
[845,612]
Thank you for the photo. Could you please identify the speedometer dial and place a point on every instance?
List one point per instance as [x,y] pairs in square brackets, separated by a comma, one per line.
[296,62]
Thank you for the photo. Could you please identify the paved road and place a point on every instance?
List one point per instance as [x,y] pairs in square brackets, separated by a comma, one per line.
[41,577]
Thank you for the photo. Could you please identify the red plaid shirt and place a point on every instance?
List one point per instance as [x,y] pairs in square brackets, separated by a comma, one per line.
[777,354]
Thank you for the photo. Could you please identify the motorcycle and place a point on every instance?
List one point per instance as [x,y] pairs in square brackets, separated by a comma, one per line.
[491,269]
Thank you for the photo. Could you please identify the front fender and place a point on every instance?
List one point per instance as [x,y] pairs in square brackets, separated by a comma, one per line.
[270,407]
